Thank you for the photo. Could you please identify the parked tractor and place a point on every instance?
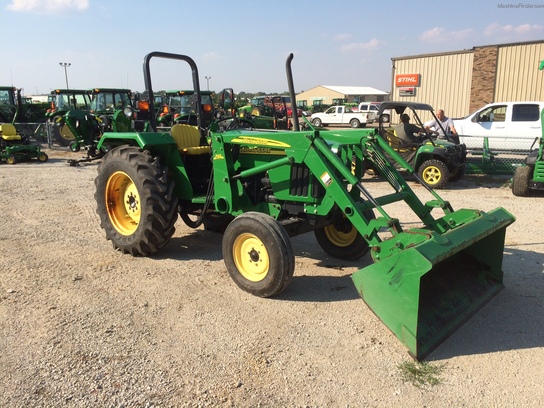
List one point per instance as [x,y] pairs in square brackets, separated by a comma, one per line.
[106,102]
[64,101]
[82,123]
[18,110]
[267,112]
[530,176]
[15,147]
[176,108]
[436,161]
[262,187]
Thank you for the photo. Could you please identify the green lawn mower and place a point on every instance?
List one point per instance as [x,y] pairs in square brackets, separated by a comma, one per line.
[15,148]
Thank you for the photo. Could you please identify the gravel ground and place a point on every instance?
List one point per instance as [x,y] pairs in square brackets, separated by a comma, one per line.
[82,325]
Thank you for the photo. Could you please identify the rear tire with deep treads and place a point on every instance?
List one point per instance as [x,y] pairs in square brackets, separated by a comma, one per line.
[342,240]
[135,201]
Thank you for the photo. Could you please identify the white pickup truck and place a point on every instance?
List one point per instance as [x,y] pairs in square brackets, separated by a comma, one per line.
[508,126]
[340,115]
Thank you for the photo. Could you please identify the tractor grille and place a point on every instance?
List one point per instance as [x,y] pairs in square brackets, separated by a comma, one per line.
[301,179]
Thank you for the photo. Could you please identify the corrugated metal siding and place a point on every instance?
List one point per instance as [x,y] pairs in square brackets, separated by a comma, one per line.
[518,76]
[445,81]
[319,92]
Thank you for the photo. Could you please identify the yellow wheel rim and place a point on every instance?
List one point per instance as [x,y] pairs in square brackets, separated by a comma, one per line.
[66,133]
[340,238]
[123,203]
[251,257]
[432,175]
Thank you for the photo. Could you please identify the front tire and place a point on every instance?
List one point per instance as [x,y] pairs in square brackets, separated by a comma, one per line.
[74,147]
[434,173]
[258,254]
[520,181]
[43,157]
[135,201]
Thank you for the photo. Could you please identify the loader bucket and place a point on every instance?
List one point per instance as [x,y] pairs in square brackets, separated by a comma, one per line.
[426,292]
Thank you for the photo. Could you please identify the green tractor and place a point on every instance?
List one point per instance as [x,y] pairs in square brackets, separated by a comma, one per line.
[113,107]
[15,147]
[64,101]
[176,107]
[79,117]
[436,161]
[267,112]
[530,176]
[27,117]
[262,187]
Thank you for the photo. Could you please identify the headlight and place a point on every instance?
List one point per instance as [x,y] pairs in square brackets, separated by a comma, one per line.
[128,112]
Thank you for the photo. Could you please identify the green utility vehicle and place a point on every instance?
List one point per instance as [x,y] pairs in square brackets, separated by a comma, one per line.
[530,176]
[15,147]
[266,186]
[436,161]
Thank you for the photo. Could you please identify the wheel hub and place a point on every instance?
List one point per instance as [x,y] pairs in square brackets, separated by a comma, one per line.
[432,175]
[254,255]
[251,257]
[124,208]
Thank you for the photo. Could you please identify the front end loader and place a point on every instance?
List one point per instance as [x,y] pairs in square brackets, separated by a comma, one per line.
[260,188]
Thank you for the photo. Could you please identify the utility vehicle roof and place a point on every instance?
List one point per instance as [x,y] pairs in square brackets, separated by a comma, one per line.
[400,106]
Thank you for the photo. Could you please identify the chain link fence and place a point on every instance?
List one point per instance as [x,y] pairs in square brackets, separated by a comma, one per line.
[495,154]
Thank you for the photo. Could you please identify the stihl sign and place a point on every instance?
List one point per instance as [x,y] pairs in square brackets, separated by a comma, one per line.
[407,79]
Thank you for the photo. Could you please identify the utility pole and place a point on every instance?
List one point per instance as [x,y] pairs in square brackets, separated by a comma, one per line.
[208,82]
[65,65]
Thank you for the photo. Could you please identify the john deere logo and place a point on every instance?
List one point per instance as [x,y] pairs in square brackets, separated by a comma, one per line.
[261,150]
[260,141]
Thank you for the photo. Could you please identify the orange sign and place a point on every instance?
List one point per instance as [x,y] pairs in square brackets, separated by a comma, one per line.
[407,80]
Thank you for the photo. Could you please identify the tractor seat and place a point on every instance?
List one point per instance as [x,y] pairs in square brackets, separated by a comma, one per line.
[9,132]
[187,138]
[397,144]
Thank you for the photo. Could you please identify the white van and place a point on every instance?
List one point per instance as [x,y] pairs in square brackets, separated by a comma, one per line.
[510,126]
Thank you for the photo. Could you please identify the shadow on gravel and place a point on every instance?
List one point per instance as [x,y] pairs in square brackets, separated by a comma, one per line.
[197,244]
[320,289]
[512,320]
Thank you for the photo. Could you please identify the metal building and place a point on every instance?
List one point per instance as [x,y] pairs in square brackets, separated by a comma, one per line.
[327,94]
[460,82]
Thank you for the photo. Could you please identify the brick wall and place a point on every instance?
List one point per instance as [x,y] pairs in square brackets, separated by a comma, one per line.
[484,73]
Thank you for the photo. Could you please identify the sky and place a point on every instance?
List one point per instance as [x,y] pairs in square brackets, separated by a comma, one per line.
[243,44]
